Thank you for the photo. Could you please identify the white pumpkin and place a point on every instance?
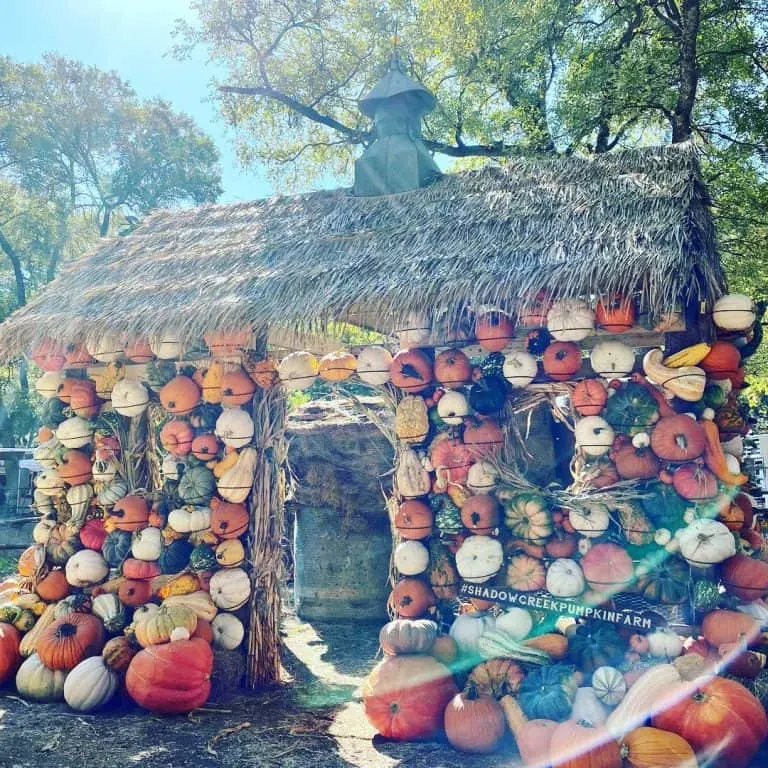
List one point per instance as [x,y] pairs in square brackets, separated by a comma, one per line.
[106,348]
[663,644]
[298,370]
[90,685]
[612,359]
[609,685]
[49,482]
[586,706]
[234,428]
[373,365]
[36,682]
[47,386]
[565,578]
[520,368]
[594,436]
[170,467]
[411,478]
[411,558]
[228,631]
[130,397]
[42,530]
[86,568]
[453,407]
[516,622]
[166,346]
[570,320]
[79,499]
[110,494]
[416,332]
[230,588]
[236,483]
[467,629]
[144,612]
[74,433]
[706,542]
[104,470]
[147,544]
[45,454]
[590,520]
[482,477]
[42,502]
[479,558]
[734,312]
[190,519]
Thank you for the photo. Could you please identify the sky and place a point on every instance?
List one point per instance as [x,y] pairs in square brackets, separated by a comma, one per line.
[132,37]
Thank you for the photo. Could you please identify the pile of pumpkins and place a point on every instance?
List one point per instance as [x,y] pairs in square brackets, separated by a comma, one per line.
[127,584]
[660,522]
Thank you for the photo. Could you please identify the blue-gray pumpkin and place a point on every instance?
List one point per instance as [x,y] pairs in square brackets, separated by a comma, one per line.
[116,547]
[197,485]
[175,556]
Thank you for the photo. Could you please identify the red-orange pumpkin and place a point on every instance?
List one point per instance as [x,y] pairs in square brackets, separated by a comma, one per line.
[237,388]
[176,437]
[615,313]
[83,399]
[180,395]
[75,468]
[607,567]
[69,640]
[171,678]
[678,438]
[745,577]
[494,330]
[635,463]
[722,361]
[205,447]
[562,360]
[525,573]
[139,351]
[134,593]
[411,370]
[745,503]
[77,356]
[589,397]
[48,355]
[414,520]
[474,722]
[130,513]
[533,740]
[404,697]
[720,719]
[53,586]
[534,312]
[480,514]
[204,631]
[140,570]
[64,390]
[92,534]
[412,598]
[228,343]
[228,520]
[483,437]
[10,658]
[694,482]
[452,368]
[583,745]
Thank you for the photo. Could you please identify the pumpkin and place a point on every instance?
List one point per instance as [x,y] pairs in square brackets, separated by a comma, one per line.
[411,479]
[10,657]
[176,437]
[139,350]
[175,556]
[205,447]
[90,685]
[548,692]
[230,588]
[474,722]
[37,682]
[228,343]
[66,642]
[452,368]
[130,513]
[211,382]
[75,468]
[562,360]
[86,568]
[200,602]
[694,482]
[236,483]
[734,312]
[497,677]
[607,567]
[526,515]
[615,313]
[531,736]
[646,747]
[589,397]
[718,717]
[110,494]
[411,558]
[111,612]
[75,432]
[63,543]
[520,368]
[228,631]
[525,573]
[414,519]
[237,388]
[706,542]
[204,631]
[721,627]
[203,558]
[565,578]
[180,395]
[106,348]
[157,628]
[83,400]
[453,408]
[590,520]
[64,391]
[407,636]
[745,577]
[411,370]
[166,346]
[664,644]
[130,398]
[678,439]
[48,355]
[230,553]
[140,570]
[483,437]
[32,561]
[611,359]
[298,370]
[594,436]
[595,645]
[147,544]
[635,463]
[228,520]
[443,576]
[494,330]
[570,320]
[482,477]
[337,366]
[53,586]
[106,379]
[373,364]
[116,547]
[444,649]
[632,409]
[609,685]
[479,558]
[234,428]
[411,598]
[48,384]
[76,603]
[117,653]
[190,519]
[580,744]
[404,697]
[171,678]
[722,361]
[42,530]
[134,592]
[586,706]
[480,514]
[665,581]
[197,485]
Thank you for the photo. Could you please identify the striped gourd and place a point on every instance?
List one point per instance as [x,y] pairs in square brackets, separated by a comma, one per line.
[29,642]
[495,644]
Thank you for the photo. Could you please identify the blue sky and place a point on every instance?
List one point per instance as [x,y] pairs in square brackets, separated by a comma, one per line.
[132,37]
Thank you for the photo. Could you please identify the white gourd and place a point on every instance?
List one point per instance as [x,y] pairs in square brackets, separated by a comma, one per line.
[90,685]
[106,347]
[373,365]
[230,588]
[663,644]
[734,312]
[144,612]
[609,685]
[612,359]
[166,346]
[520,368]
[236,483]
[45,454]
[594,436]
[591,520]
[482,477]
[298,371]
[565,578]
[570,320]
[411,478]
[467,629]
[79,499]
[130,398]
[42,502]
[170,467]
[453,408]
[75,432]
[36,682]
[147,544]
[706,542]
[200,602]
[86,568]
[479,558]
[411,558]
[228,631]
[42,530]
[189,519]
[49,482]
[47,386]
[587,707]
[104,470]
[234,428]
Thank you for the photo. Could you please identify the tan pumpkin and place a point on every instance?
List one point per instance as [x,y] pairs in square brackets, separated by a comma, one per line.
[200,602]
[157,628]
[337,366]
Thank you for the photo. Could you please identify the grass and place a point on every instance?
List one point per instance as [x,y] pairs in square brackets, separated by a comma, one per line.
[7,565]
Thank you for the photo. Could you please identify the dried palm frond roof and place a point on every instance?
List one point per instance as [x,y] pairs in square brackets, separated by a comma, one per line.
[631,221]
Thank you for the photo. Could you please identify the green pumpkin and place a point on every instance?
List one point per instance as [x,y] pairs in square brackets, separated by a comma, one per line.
[488,395]
[116,547]
[663,506]
[493,364]
[203,558]
[667,579]
[159,373]
[706,596]
[197,485]
[175,557]
[631,410]
[547,693]
[594,645]
[447,514]
[53,412]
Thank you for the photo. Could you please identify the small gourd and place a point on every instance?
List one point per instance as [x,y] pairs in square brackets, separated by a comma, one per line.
[228,631]
[663,644]
[453,408]
[479,559]
[687,383]
[411,419]
[609,685]
[147,544]
[612,359]
[520,368]
[373,365]
[74,432]
[411,558]
[411,478]
[236,483]
[565,578]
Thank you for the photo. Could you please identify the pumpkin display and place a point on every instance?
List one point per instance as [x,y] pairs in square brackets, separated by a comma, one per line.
[90,685]
[570,320]
[66,642]
[180,395]
[594,645]
[176,437]
[171,678]
[106,347]
[337,366]
[411,370]
[10,657]
[373,364]
[74,432]
[130,398]
[483,437]
[405,696]
[228,520]
[237,388]
[37,682]
[562,360]
[474,722]
[734,312]
[479,558]
[411,598]
[130,513]
[140,570]
[157,628]
[189,519]
[63,543]
[116,547]
[147,544]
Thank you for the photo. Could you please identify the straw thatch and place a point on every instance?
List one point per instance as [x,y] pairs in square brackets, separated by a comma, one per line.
[631,221]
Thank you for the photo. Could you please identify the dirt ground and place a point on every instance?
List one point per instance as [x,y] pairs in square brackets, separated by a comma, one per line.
[314,720]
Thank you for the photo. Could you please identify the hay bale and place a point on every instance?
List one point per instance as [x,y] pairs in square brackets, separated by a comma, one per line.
[228,675]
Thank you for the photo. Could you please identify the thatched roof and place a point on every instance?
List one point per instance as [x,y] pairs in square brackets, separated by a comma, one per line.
[631,221]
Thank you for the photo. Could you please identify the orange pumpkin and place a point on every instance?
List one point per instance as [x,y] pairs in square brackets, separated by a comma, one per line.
[64,390]
[412,598]
[494,330]
[483,437]
[75,468]
[607,567]
[180,395]
[745,577]
[263,372]
[31,561]
[414,520]
[44,434]
[130,513]
[205,447]
[474,722]
[10,657]
[53,586]
[83,399]
[77,356]
[140,570]
[176,437]
[615,313]
[411,370]
[134,593]
[237,387]
[534,312]
[48,355]
[589,397]
[582,745]
[228,343]
[139,351]
[720,627]
[525,573]
[228,520]
[480,514]
[69,640]
[204,631]
[337,366]
[562,360]
[722,361]
[533,739]
[453,368]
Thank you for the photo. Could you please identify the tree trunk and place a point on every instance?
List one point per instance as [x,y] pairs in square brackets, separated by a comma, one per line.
[13,257]
[690,18]
[104,226]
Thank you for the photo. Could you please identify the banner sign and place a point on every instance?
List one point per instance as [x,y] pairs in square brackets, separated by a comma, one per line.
[543,601]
